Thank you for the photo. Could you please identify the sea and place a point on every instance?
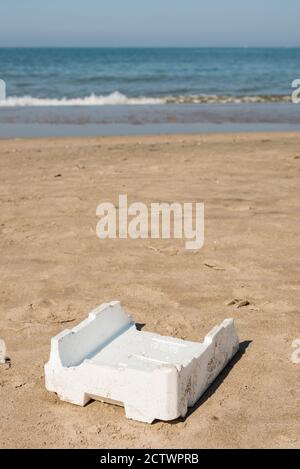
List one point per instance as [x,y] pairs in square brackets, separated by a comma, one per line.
[123,91]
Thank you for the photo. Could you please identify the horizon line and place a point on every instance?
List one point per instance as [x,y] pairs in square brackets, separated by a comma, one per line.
[149,47]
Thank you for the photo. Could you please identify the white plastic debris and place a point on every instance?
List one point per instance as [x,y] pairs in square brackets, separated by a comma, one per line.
[2,352]
[155,377]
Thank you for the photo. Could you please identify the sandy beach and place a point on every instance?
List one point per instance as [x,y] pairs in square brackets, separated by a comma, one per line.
[54,269]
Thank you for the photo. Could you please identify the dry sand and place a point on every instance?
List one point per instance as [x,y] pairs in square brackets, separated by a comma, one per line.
[54,269]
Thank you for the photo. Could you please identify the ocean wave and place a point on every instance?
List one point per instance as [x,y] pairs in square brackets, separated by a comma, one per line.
[117,98]
[92,100]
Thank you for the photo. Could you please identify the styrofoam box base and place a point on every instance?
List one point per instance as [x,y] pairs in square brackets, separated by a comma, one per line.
[154,377]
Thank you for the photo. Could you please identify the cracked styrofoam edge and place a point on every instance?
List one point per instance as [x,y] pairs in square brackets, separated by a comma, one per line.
[209,338]
[91,316]
[211,334]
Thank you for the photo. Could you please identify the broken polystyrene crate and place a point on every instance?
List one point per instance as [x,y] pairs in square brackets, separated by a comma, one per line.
[106,358]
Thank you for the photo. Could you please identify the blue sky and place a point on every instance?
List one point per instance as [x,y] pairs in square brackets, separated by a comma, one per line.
[150,23]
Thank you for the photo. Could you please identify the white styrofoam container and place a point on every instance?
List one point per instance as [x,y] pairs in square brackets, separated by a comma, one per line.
[155,377]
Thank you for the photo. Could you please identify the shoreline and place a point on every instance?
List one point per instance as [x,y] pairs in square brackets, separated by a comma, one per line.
[146,119]
[14,131]
[157,138]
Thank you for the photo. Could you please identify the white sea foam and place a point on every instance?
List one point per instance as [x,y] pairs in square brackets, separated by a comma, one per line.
[119,98]
[92,100]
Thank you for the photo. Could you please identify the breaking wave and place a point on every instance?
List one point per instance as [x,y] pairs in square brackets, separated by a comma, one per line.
[117,98]
[92,100]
